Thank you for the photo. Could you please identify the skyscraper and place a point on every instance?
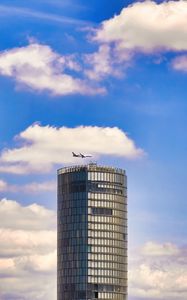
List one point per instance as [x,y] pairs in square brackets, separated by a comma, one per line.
[92,233]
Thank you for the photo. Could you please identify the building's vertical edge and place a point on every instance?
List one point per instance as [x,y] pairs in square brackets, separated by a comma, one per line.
[58,245]
[126,217]
[86,232]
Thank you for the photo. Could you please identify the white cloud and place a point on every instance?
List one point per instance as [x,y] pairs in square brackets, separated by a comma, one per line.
[106,62]
[24,241]
[38,262]
[147,26]
[155,249]
[36,187]
[142,27]
[35,216]
[180,63]
[101,64]
[32,187]
[3,185]
[27,252]
[40,68]
[44,147]
[158,272]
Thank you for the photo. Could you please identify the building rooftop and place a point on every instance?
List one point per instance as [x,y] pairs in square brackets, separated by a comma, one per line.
[90,167]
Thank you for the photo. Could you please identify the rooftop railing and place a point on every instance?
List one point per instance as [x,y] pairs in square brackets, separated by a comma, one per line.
[90,167]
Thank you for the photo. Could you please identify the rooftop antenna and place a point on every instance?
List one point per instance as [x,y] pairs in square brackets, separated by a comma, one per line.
[93,163]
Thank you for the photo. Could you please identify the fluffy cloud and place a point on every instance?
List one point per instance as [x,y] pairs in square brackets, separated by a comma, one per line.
[33,187]
[106,62]
[158,272]
[180,63]
[44,147]
[155,249]
[35,216]
[3,185]
[101,64]
[40,68]
[142,27]
[27,252]
[147,26]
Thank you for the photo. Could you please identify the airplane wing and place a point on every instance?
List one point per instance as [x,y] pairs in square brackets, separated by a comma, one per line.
[76,155]
[84,156]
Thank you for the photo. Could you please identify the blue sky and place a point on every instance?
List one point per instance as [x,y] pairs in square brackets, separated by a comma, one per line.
[107,78]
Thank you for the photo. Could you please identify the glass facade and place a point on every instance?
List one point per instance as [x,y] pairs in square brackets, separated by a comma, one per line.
[92,233]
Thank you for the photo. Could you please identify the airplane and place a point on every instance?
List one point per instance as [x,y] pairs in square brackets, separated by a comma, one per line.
[76,155]
[80,155]
[84,156]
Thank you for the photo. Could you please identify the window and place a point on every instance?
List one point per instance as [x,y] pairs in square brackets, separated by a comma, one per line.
[74,187]
[101,211]
[81,294]
[125,236]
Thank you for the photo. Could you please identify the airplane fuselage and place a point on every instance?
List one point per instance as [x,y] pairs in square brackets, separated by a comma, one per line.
[81,155]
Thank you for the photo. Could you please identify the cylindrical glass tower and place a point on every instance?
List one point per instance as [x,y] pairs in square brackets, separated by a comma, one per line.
[92,233]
